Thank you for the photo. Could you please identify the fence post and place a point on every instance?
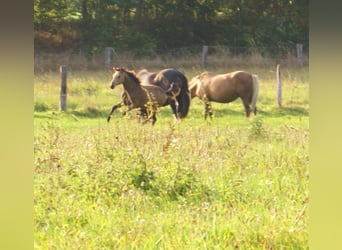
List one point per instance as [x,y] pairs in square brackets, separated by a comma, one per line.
[109,53]
[300,59]
[204,56]
[279,89]
[63,92]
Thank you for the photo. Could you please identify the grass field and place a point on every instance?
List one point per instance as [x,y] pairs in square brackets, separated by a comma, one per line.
[225,183]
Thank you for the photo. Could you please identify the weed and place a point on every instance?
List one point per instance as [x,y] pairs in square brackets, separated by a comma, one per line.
[256,129]
[169,137]
[140,176]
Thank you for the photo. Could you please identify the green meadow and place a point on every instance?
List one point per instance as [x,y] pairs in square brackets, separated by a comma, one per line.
[222,183]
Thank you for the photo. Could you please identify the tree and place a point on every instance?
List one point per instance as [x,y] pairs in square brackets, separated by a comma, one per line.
[148,25]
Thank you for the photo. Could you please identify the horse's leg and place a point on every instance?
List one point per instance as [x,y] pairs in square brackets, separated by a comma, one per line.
[113,109]
[176,103]
[207,109]
[173,93]
[177,109]
[154,118]
[210,110]
[144,115]
[247,107]
[247,103]
[152,114]
[174,107]
[148,117]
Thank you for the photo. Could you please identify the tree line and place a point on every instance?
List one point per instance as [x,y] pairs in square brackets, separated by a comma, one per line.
[88,26]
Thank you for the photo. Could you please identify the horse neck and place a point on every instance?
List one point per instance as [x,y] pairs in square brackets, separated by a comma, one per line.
[131,85]
[194,87]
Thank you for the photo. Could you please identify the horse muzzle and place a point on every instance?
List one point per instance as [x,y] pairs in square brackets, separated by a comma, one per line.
[112,85]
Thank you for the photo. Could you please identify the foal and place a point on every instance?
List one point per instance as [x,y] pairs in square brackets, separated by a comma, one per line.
[147,98]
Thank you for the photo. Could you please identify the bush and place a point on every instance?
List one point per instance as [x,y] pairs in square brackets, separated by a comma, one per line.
[41,107]
[256,129]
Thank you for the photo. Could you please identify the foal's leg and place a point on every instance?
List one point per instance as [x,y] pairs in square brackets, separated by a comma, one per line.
[146,115]
[152,115]
[113,109]
[153,118]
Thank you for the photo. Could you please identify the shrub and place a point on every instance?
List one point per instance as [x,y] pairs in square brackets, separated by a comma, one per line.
[41,107]
[256,129]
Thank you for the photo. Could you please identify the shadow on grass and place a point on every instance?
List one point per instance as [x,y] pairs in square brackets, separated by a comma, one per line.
[43,115]
[90,113]
[274,113]
[93,113]
[285,111]
[87,113]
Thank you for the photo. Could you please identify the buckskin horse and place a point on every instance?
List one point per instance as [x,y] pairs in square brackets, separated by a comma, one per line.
[225,88]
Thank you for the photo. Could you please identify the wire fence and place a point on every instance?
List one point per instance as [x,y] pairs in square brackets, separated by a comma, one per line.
[84,97]
[175,57]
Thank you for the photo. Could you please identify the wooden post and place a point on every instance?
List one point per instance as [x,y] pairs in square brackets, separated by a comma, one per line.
[63,93]
[204,56]
[279,90]
[109,53]
[300,59]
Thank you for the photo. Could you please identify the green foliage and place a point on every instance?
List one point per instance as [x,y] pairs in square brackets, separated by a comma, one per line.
[154,24]
[143,44]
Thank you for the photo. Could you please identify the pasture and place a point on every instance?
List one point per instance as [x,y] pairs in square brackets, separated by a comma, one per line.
[221,183]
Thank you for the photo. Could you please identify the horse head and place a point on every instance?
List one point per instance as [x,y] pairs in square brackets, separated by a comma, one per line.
[118,77]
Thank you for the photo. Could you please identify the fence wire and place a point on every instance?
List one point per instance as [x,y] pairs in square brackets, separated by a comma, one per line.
[184,56]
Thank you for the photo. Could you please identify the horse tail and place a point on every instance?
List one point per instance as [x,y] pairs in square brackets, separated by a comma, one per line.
[255,79]
[184,98]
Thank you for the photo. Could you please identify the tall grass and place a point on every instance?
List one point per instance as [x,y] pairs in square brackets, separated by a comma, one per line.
[225,183]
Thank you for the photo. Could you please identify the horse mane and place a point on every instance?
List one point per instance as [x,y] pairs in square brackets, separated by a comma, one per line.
[205,75]
[132,75]
[143,71]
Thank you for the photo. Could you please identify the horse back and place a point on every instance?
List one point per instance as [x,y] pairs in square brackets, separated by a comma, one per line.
[157,93]
[235,80]
[166,76]
[228,87]
[146,77]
